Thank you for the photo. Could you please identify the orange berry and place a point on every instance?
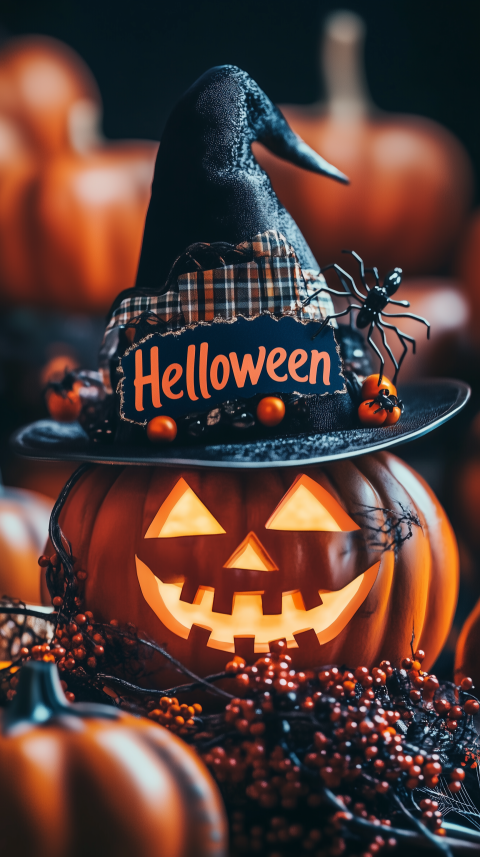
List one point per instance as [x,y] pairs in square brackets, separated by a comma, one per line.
[371,414]
[393,416]
[63,409]
[270,411]
[162,430]
[471,706]
[371,388]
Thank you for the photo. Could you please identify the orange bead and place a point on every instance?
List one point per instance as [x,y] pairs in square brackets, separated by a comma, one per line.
[393,417]
[370,387]
[64,410]
[162,430]
[270,411]
[371,414]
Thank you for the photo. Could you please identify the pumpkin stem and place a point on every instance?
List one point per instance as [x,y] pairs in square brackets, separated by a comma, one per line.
[341,58]
[40,697]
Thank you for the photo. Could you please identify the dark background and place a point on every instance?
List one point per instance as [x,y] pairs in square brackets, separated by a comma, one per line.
[421,57]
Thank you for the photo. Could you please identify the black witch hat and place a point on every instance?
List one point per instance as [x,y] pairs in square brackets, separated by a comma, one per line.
[222,265]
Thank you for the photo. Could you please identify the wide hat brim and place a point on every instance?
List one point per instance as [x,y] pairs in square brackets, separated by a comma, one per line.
[427,404]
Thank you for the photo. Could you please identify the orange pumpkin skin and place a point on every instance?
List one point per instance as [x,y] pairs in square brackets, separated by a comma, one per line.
[466,653]
[109,511]
[93,785]
[72,208]
[409,193]
[24,517]
[411,179]
[468,273]
[89,212]
[43,85]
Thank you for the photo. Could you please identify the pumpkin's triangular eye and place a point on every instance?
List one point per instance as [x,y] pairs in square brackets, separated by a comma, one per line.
[308,506]
[183,514]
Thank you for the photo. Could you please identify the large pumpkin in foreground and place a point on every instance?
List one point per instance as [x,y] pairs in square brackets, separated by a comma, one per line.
[212,562]
[85,779]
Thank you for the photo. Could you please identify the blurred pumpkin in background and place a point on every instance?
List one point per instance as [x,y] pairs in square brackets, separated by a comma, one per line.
[72,209]
[468,272]
[466,487]
[410,178]
[467,662]
[50,93]
[24,517]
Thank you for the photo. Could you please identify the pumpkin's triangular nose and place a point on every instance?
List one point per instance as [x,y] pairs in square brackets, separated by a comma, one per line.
[250,554]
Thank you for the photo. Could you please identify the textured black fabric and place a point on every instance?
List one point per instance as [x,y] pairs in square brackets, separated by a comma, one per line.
[427,404]
[207,184]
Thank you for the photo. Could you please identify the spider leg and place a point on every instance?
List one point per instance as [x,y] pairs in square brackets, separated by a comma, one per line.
[399,303]
[409,315]
[373,271]
[336,315]
[341,274]
[402,337]
[325,288]
[387,347]
[361,266]
[375,348]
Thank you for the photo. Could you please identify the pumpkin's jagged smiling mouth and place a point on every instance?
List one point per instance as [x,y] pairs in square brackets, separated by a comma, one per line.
[247,618]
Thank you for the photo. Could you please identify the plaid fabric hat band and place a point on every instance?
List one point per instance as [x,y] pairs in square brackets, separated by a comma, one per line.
[272,282]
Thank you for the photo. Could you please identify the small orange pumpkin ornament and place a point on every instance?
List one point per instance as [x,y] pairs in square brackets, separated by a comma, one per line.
[87,779]
[72,211]
[410,178]
[24,517]
[211,564]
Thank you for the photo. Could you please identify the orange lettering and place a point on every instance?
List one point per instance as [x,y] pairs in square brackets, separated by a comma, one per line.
[316,357]
[190,370]
[273,362]
[240,372]
[170,377]
[203,370]
[219,360]
[142,380]
[297,358]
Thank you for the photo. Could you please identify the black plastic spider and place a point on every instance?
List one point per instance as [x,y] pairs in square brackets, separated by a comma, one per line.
[371,312]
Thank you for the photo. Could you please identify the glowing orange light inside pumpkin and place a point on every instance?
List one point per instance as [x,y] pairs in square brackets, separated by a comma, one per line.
[251,554]
[247,618]
[183,514]
[308,506]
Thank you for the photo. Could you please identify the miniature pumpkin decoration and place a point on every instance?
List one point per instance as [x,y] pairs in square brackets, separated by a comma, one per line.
[210,563]
[24,517]
[84,778]
[72,213]
[410,178]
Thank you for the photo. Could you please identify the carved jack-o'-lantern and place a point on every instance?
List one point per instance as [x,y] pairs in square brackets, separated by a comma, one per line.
[212,563]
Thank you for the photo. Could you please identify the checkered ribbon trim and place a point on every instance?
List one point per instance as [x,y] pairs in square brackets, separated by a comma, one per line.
[272,282]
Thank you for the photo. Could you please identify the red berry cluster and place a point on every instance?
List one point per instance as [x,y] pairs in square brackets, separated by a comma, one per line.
[289,738]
